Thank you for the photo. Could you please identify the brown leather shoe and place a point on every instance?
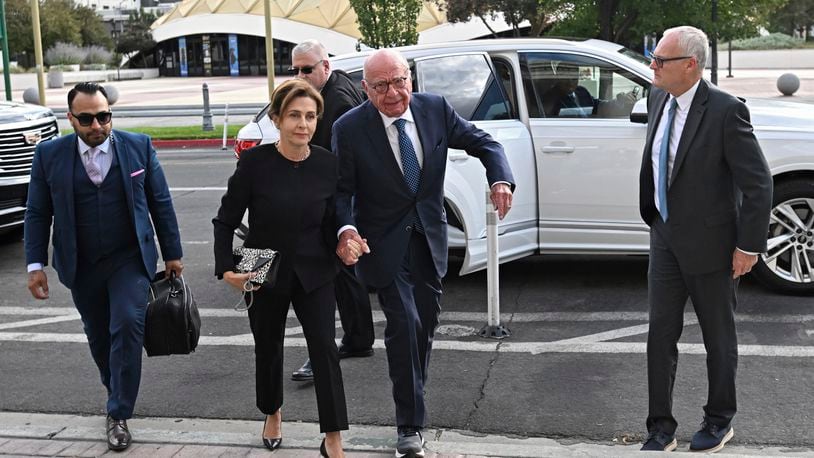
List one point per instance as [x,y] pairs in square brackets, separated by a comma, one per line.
[118,435]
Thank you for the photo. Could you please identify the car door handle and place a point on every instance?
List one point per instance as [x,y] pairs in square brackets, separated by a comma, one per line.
[456,156]
[557,149]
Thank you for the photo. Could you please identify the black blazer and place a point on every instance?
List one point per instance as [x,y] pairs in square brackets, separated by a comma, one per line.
[340,94]
[291,209]
[720,190]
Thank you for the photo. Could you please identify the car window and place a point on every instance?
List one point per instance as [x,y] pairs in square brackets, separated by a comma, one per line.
[467,82]
[560,85]
[356,77]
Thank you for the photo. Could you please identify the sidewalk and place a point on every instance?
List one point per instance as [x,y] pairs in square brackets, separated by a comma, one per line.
[34,434]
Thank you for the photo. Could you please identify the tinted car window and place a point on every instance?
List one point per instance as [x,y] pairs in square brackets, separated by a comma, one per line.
[468,84]
[562,85]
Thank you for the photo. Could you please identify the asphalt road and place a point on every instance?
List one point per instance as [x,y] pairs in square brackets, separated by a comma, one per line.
[574,367]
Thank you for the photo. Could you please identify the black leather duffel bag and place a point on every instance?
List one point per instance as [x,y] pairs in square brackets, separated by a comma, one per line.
[173,324]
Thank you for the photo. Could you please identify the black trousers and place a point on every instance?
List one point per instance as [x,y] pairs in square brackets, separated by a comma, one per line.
[714,299]
[315,311]
[411,304]
[353,303]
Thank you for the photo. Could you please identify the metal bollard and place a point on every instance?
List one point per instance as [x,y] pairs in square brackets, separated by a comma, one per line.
[207,114]
[225,125]
[493,328]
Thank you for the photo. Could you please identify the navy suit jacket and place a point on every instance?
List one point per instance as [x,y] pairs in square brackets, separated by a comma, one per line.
[373,196]
[51,197]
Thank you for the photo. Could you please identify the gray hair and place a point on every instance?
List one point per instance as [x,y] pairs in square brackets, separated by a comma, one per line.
[693,42]
[310,46]
[387,52]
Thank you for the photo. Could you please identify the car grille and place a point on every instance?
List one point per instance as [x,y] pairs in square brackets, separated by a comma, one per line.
[11,203]
[17,150]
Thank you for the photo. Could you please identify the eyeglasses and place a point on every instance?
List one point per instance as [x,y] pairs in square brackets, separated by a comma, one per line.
[86,119]
[661,60]
[382,86]
[305,70]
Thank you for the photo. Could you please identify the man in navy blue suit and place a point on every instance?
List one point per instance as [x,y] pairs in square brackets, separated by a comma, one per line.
[101,187]
[392,158]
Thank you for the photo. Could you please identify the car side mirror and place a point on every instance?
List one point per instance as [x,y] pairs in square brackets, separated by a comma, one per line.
[639,112]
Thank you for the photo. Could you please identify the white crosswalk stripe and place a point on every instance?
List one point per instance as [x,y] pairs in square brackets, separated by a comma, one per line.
[601,342]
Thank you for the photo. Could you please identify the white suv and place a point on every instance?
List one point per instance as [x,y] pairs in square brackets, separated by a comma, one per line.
[577,169]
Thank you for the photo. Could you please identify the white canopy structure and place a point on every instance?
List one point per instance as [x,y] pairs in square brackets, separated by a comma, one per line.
[332,22]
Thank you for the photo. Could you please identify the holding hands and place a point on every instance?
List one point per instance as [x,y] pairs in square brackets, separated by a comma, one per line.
[351,246]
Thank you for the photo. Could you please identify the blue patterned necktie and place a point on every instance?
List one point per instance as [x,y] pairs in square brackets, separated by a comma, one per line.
[409,164]
[664,155]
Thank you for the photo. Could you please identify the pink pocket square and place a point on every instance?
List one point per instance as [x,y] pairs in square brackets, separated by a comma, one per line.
[137,173]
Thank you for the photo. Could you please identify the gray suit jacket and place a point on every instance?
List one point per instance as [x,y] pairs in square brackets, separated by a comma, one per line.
[720,191]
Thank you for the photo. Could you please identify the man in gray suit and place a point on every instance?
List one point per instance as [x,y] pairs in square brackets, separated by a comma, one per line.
[706,192]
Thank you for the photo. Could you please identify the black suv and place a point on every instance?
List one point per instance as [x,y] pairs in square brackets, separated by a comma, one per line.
[22,127]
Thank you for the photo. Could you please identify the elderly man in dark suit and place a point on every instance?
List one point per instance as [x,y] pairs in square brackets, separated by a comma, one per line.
[101,187]
[310,60]
[706,192]
[392,159]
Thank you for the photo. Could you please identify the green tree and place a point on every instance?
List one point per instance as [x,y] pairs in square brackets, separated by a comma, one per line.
[58,23]
[540,14]
[386,23]
[794,16]
[91,28]
[19,32]
[627,21]
[137,38]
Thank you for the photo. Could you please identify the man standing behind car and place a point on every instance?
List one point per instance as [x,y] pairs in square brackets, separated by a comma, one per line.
[310,60]
[101,188]
[706,192]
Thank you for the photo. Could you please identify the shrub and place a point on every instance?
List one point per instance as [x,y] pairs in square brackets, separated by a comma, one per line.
[771,41]
[97,55]
[93,67]
[64,54]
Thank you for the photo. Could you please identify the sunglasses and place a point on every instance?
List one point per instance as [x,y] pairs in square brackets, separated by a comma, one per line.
[661,60]
[305,70]
[86,119]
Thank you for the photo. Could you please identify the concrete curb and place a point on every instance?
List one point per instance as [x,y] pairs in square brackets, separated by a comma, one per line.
[55,434]
[193,143]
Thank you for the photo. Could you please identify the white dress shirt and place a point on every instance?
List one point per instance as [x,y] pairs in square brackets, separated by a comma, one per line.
[103,160]
[683,108]
[393,136]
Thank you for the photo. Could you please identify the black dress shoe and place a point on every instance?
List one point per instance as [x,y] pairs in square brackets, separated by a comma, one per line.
[347,352]
[303,374]
[273,443]
[118,436]
[322,450]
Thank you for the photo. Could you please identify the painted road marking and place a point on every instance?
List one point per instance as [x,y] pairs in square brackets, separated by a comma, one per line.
[56,319]
[534,348]
[462,316]
[591,343]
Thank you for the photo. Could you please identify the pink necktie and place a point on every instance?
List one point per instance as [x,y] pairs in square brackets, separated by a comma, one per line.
[94,172]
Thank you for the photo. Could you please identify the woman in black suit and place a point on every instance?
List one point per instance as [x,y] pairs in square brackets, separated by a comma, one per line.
[288,188]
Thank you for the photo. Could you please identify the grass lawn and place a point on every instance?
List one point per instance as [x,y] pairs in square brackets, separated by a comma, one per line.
[186,132]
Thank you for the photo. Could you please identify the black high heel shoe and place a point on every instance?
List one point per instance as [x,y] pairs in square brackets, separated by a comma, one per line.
[322,450]
[273,443]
